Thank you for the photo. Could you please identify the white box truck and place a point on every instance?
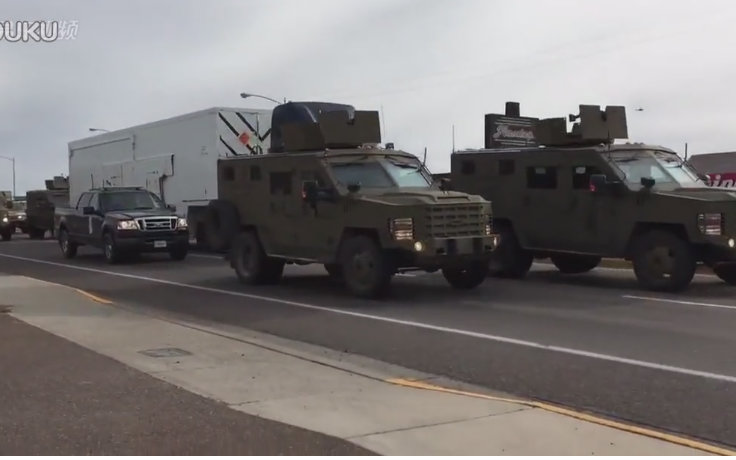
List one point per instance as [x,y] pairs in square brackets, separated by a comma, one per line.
[175,158]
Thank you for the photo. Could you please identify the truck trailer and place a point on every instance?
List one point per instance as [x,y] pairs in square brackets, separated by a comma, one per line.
[175,158]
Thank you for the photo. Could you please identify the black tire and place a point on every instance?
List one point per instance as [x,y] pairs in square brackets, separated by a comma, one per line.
[468,277]
[221,225]
[251,263]
[110,249]
[726,272]
[179,252]
[575,263]
[6,233]
[68,248]
[663,261]
[510,260]
[366,270]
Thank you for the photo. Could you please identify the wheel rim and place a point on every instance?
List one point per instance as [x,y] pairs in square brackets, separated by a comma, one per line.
[660,262]
[362,268]
[108,249]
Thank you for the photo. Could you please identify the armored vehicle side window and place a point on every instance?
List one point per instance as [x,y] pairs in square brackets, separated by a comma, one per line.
[541,177]
[228,173]
[506,167]
[581,176]
[280,183]
[94,201]
[467,167]
[255,173]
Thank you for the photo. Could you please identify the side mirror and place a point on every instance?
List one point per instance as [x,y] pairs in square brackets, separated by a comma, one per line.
[598,182]
[171,207]
[88,210]
[352,188]
[647,182]
[445,184]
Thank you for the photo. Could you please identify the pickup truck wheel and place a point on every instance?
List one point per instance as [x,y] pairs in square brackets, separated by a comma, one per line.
[110,248]
[251,263]
[68,248]
[365,267]
[7,233]
[726,272]
[575,263]
[510,260]
[663,261]
[468,277]
[179,252]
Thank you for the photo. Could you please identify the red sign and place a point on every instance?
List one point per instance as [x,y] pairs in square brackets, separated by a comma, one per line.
[722,179]
[244,138]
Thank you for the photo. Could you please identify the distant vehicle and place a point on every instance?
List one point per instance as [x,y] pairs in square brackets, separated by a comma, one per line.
[7,228]
[326,193]
[40,206]
[123,222]
[175,158]
[577,197]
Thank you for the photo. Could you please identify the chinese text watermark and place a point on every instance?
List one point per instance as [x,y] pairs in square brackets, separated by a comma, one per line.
[38,31]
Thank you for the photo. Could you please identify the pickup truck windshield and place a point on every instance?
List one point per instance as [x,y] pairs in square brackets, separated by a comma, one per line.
[128,201]
[381,174]
[665,168]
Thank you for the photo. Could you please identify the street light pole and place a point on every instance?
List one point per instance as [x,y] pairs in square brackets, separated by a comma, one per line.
[12,160]
[245,95]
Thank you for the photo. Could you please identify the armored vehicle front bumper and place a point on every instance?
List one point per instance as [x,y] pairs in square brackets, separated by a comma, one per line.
[441,252]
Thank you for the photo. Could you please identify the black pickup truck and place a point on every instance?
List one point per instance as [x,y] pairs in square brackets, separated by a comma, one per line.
[122,221]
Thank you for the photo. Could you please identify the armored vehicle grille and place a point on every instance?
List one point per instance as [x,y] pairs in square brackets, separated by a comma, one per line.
[157,224]
[455,220]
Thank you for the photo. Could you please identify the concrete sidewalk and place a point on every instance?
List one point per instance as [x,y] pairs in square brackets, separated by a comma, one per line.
[314,388]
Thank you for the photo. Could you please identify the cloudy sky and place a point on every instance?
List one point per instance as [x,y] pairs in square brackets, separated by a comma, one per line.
[429,64]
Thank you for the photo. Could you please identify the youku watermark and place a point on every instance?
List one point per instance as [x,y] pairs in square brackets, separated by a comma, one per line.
[38,31]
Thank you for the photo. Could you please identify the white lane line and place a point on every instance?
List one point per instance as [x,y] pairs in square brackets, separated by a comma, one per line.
[614,269]
[681,302]
[416,324]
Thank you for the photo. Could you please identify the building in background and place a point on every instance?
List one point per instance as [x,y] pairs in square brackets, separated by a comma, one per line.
[719,167]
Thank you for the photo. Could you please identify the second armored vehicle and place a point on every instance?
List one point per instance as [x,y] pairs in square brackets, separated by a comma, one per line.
[578,197]
[326,193]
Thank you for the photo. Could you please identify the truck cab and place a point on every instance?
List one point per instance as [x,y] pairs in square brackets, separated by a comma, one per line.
[332,196]
[578,197]
[123,222]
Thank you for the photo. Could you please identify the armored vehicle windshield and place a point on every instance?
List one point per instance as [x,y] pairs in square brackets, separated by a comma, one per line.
[384,171]
[666,168]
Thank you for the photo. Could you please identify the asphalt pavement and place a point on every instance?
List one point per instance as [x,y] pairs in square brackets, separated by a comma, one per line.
[59,398]
[593,342]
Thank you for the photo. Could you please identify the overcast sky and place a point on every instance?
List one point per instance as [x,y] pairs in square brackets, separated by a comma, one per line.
[429,64]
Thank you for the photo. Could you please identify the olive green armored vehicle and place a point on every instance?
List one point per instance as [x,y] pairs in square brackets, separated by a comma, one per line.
[328,193]
[577,197]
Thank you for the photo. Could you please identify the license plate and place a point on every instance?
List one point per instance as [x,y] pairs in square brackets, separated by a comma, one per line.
[159,244]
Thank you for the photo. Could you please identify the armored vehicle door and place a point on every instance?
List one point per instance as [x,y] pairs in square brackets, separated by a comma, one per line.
[543,225]
[321,220]
[283,199]
[593,215]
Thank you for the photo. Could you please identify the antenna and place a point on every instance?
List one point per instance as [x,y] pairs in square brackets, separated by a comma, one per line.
[424,160]
[453,138]
[685,151]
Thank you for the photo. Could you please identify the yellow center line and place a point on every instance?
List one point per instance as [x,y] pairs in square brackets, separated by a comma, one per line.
[94,297]
[575,414]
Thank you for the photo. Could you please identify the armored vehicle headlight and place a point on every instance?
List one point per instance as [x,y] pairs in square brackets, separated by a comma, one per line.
[181,223]
[419,246]
[710,223]
[128,225]
[731,243]
[5,220]
[402,229]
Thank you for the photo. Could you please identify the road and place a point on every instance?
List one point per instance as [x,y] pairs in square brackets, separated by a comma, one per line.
[594,342]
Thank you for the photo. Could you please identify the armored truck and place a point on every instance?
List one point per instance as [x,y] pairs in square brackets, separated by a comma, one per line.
[577,197]
[40,206]
[328,193]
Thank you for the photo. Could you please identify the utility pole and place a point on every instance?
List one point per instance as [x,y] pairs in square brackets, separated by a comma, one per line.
[12,160]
